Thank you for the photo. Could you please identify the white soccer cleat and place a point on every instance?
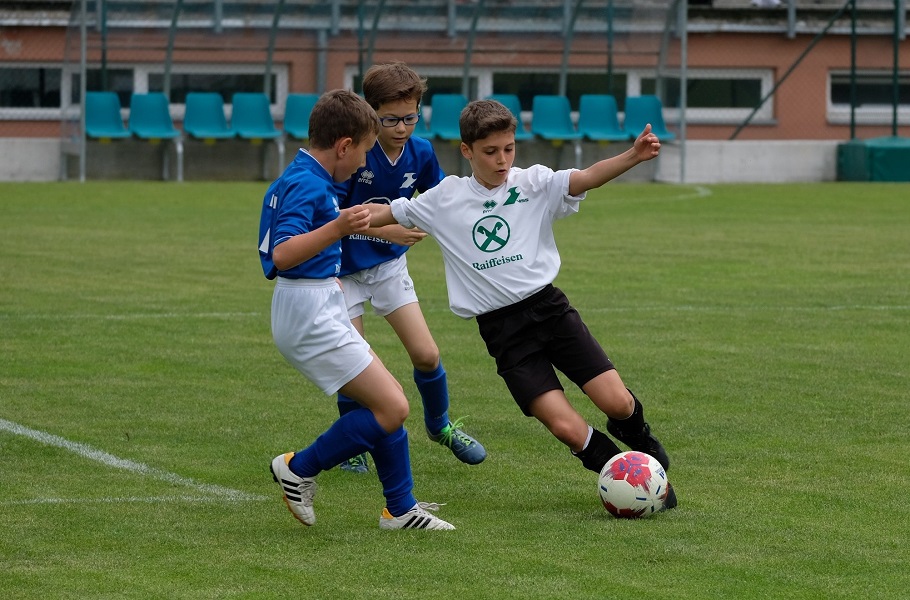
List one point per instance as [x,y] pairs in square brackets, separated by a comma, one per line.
[298,491]
[416,518]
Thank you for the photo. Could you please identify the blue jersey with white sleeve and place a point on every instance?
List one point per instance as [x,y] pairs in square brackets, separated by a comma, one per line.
[380,181]
[303,199]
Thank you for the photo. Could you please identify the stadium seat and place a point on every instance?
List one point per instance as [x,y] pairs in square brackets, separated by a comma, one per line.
[204,118]
[297,109]
[150,119]
[102,116]
[512,102]
[551,119]
[446,110]
[641,110]
[251,119]
[598,119]
[421,129]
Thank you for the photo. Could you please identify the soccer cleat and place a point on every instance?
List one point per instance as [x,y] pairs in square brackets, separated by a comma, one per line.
[641,442]
[670,500]
[357,464]
[464,447]
[416,518]
[298,491]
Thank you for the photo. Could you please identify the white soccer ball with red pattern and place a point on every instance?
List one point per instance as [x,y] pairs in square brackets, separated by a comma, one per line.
[633,485]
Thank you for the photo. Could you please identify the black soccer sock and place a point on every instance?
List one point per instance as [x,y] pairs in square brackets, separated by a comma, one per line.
[599,450]
[634,423]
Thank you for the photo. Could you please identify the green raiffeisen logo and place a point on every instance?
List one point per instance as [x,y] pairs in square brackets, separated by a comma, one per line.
[491,234]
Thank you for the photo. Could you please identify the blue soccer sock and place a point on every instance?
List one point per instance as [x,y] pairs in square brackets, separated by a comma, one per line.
[434,392]
[393,467]
[354,433]
[346,405]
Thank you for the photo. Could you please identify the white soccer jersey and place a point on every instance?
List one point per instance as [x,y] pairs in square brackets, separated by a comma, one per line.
[497,245]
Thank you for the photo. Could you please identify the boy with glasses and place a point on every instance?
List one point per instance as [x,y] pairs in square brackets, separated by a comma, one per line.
[373,263]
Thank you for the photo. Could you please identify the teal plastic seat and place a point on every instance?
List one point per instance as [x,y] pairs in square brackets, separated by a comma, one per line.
[446,113]
[513,103]
[204,118]
[251,117]
[551,119]
[641,110]
[420,129]
[297,109]
[150,117]
[598,119]
[102,116]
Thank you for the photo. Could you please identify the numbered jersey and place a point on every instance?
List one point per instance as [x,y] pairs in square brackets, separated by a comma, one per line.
[497,245]
[380,181]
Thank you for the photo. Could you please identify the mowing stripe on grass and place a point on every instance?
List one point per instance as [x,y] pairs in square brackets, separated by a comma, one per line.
[110,460]
[128,317]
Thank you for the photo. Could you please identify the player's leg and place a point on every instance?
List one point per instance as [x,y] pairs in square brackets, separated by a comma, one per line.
[393,296]
[592,447]
[355,297]
[430,378]
[625,415]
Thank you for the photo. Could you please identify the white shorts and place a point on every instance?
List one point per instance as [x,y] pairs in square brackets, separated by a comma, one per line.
[387,286]
[312,330]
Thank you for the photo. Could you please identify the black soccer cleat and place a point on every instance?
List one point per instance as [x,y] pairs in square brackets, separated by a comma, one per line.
[670,500]
[641,441]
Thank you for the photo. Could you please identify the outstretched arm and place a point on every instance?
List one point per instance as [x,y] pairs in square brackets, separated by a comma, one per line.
[645,147]
[380,215]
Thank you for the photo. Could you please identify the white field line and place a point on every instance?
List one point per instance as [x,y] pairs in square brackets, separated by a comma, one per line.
[214,492]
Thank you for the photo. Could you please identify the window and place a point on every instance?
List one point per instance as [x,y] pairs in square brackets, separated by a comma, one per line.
[712,96]
[226,84]
[528,85]
[30,88]
[874,97]
[117,80]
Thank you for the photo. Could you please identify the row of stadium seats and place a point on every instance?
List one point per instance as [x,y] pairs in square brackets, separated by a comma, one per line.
[251,118]
[551,118]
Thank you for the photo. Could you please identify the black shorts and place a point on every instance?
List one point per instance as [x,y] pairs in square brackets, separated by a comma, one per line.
[533,337]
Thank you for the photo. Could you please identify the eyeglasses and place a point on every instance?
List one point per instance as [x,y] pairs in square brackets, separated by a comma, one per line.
[394,121]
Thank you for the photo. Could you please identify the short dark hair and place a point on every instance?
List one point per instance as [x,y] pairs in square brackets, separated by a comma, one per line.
[340,114]
[481,118]
[391,82]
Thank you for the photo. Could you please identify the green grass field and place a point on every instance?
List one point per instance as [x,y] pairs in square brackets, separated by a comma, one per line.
[766,329]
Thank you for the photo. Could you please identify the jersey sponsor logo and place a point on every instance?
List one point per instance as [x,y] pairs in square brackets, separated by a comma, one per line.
[496,261]
[491,233]
[514,196]
[366,177]
[409,181]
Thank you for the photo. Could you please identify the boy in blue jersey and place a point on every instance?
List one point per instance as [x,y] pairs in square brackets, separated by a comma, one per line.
[300,235]
[373,263]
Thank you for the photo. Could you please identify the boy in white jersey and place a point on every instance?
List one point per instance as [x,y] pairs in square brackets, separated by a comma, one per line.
[300,231]
[495,232]
[374,267]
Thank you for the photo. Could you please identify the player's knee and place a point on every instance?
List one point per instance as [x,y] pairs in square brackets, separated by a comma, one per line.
[426,359]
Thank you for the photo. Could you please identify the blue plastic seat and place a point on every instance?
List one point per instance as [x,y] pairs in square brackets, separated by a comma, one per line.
[598,118]
[551,119]
[421,129]
[204,118]
[512,102]
[641,110]
[102,116]
[150,117]
[446,113]
[297,109]
[251,117]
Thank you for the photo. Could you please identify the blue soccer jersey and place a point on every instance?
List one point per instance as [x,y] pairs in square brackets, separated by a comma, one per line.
[416,170]
[303,199]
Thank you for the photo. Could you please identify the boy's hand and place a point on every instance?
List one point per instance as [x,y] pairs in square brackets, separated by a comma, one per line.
[355,219]
[646,145]
[400,235]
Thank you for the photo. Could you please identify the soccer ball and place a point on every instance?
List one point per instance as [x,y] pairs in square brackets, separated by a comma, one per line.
[633,485]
